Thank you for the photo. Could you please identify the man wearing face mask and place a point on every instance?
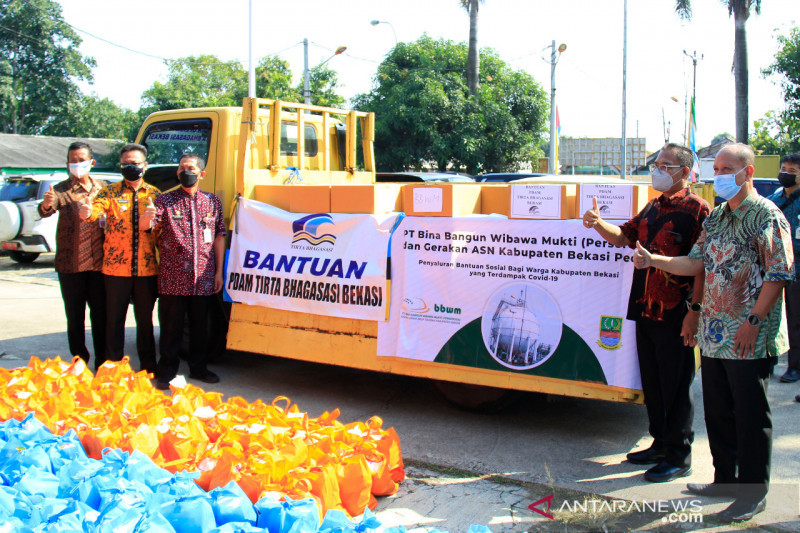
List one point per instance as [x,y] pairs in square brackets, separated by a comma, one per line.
[788,200]
[666,309]
[129,260]
[746,252]
[79,253]
[190,229]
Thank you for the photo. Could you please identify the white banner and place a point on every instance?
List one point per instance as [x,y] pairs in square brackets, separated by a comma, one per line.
[323,263]
[547,298]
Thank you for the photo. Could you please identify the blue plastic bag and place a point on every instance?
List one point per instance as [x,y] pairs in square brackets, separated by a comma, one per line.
[238,527]
[141,468]
[231,504]
[154,523]
[37,481]
[191,514]
[288,516]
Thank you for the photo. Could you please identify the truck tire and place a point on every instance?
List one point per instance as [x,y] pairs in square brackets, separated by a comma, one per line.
[23,257]
[475,398]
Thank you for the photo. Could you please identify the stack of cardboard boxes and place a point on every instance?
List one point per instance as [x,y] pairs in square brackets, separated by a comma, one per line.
[529,200]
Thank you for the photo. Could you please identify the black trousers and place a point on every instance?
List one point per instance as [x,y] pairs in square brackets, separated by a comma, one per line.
[739,422]
[792,298]
[667,372]
[77,290]
[119,292]
[172,311]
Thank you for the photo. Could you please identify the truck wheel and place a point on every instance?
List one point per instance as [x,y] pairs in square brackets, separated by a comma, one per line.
[475,398]
[23,257]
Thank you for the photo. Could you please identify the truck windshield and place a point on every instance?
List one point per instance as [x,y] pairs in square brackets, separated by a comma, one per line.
[166,142]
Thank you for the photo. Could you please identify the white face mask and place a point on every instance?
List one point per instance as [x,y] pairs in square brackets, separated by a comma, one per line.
[81,169]
[662,181]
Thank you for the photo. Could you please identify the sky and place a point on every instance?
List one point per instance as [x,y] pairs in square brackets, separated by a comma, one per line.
[130,40]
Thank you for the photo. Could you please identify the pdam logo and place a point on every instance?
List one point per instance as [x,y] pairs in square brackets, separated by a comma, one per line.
[415,305]
[308,229]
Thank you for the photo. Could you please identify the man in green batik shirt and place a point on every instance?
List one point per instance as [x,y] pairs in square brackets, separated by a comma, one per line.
[746,252]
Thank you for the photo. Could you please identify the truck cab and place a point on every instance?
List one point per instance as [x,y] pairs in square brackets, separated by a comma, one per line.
[241,150]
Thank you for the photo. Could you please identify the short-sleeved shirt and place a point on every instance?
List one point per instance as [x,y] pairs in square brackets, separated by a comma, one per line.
[186,226]
[666,226]
[127,251]
[79,244]
[740,250]
[791,210]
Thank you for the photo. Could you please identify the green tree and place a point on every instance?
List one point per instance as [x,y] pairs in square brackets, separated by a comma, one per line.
[721,137]
[776,134]
[740,9]
[206,81]
[425,115]
[92,116]
[786,68]
[473,57]
[39,65]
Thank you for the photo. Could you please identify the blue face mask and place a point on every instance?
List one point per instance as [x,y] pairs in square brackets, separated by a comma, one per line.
[725,185]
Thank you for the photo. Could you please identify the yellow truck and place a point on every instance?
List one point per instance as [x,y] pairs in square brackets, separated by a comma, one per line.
[267,146]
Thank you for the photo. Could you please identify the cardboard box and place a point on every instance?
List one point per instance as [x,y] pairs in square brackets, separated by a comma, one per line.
[616,202]
[274,195]
[375,198]
[441,199]
[545,201]
[495,198]
[309,198]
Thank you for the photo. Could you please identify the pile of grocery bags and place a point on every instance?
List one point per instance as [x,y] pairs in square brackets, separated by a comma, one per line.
[111,449]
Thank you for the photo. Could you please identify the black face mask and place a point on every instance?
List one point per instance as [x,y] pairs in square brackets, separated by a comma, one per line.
[188,179]
[131,172]
[787,180]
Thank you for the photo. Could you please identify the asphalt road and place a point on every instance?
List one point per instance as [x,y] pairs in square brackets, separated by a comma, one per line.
[463,468]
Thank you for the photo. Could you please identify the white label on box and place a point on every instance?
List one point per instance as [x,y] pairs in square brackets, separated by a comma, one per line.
[614,201]
[536,201]
[428,200]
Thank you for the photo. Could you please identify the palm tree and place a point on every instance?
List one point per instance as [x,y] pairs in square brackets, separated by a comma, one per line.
[473,58]
[740,9]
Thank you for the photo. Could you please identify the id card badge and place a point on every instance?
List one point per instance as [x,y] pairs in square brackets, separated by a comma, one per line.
[207,237]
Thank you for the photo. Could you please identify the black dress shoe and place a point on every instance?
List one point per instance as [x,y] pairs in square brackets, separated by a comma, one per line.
[206,377]
[664,471]
[797,398]
[712,489]
[790,376]
[741,511]
[650,456]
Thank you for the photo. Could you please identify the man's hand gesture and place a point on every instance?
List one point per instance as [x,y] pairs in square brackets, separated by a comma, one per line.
[149,215]
[592,216]
[49,198]
[85,209]
[641,257]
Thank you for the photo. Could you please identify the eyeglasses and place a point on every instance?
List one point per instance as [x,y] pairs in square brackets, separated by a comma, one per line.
[662,168]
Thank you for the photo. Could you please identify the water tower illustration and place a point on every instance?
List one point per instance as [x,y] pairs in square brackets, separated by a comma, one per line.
[515,332]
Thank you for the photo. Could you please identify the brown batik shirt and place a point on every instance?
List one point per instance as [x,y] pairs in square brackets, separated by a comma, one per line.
[79,244]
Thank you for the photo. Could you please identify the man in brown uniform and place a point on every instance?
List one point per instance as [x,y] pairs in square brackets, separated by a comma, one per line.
[79,253]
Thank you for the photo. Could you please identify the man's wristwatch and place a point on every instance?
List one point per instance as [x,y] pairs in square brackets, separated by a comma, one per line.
[696,307]
[753,320]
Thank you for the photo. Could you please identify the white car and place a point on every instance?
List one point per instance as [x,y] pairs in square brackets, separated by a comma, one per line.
[24,234]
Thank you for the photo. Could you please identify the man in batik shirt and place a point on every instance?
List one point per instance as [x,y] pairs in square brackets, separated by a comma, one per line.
[129,256]
[79,253]
[190,229]
[666,319]
[746,252]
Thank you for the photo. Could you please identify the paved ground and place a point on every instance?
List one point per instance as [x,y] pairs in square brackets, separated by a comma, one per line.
[464,468]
